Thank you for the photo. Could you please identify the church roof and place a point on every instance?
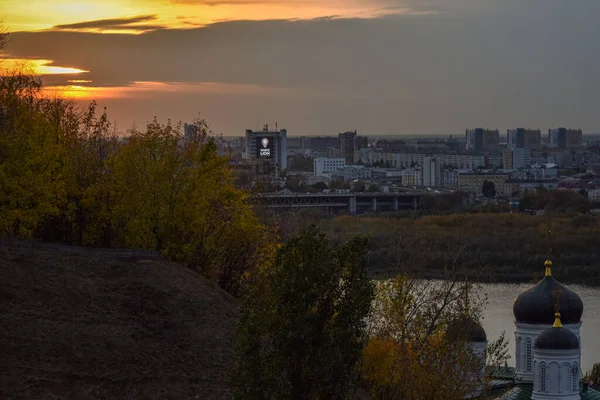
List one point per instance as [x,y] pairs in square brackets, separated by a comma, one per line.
[537,305]
[524,392]
[557,338]
[466,328]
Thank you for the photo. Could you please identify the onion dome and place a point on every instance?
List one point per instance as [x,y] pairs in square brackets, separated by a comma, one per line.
[536,305]
[556,338]
[467,329]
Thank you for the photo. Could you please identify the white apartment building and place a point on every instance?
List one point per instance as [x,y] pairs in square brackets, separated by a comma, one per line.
[351,172]
[594,195]
[372,157]
[431,172]
[450,176]
[535,173]
[412,177]
[456,161]
[461,161]
[409,160]
[521,158]
[327,166]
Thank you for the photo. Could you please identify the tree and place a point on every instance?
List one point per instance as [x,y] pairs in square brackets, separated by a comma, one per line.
[415,339]
[488,189]
[65,177]
[178,197]
[412,338]
[303,321]
[358,187]
[33,165]
[320,186]
[373,188]
[336,183]
[592,377]
[3,38]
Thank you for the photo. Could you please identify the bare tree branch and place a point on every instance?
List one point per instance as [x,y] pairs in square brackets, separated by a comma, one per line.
[3,37]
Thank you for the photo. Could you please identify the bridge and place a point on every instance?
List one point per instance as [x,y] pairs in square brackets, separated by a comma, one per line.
[353,203]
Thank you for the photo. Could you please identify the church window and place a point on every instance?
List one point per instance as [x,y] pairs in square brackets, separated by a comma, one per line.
[542,377]
[575,378]
[518,351]
[528,354]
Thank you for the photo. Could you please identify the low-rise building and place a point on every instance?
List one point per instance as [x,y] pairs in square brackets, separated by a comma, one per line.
[472,182]
[594,195]
[516,187]
[449,161]
[375,157]
[351,172]
[450,177]
[536,173]
[327,166]
[412,177]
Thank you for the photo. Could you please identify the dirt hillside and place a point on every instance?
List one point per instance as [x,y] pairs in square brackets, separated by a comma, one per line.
[101,324]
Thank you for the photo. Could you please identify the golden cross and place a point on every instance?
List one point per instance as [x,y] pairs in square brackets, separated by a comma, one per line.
[548,245]
[557,293]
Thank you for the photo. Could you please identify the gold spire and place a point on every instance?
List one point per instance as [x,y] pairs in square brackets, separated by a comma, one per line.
[557,323]
[548,265]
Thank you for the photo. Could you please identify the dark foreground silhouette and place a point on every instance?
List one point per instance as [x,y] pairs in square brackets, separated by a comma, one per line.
[96,324]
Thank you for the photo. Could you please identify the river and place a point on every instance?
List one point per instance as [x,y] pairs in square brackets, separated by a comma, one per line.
[498,316]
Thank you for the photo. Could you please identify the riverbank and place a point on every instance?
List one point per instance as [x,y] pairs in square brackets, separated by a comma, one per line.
[491,248]
[508,278]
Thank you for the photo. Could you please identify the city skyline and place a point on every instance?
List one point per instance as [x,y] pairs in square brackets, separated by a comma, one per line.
[383,67]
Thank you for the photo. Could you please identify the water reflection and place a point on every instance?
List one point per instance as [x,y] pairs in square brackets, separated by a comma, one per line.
[499,316]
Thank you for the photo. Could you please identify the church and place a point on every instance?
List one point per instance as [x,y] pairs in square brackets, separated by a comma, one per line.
[547,347]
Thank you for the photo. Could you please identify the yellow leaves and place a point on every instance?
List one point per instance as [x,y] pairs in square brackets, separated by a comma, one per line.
[64,177]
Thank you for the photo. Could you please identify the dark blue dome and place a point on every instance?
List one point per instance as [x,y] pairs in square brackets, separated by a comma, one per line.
[465,328]
[537,305]
[556,339]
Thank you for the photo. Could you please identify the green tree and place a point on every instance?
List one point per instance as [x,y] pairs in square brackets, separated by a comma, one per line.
[303,322]
[592,377]
[33,165]
[358,187]
[177,196]
[320,186]
[336,183]
[488,189]
[373,188]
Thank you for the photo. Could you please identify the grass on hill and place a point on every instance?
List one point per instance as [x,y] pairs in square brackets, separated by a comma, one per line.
[98,324]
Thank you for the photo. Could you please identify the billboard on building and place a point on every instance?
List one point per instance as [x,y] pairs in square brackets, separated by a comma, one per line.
[264,147]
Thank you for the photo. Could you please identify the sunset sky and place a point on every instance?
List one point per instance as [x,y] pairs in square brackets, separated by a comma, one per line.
[319,67]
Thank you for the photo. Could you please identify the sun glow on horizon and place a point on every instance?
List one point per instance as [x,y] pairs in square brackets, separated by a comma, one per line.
[138,89]
[35,15]
[38,67]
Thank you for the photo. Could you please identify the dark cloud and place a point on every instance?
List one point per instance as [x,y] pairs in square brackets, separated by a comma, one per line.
[113,24]
[473,63]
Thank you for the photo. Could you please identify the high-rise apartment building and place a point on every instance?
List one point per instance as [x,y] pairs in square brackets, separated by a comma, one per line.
[482,139]
[350,144]
[522,138]
[565,138]
[431,171]
[320,144]
[267,147]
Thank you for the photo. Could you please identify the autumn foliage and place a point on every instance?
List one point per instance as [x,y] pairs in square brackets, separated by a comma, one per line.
[66,176]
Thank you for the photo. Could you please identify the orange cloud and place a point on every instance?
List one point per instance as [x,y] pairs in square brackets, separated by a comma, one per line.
[135,16]
[38,67]
[141,89]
